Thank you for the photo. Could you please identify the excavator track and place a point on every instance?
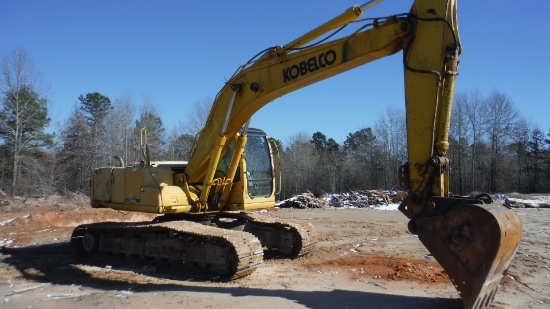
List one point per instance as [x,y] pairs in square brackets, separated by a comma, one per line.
[279,238]
[195,247]
[286,239]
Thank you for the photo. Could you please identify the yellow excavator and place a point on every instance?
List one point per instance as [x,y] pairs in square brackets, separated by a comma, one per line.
[206,222]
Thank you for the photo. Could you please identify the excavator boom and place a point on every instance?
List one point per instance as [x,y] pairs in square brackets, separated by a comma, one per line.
[282,70]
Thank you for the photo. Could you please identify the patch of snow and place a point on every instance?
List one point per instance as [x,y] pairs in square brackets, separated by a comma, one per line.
[365,199]
[66,296]
[7,221]
[294,198]
[535,201]
[5,242]
[10,220]
[499,197]
[387,207]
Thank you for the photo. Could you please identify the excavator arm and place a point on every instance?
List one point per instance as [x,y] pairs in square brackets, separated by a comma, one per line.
[474,239]
[282,70]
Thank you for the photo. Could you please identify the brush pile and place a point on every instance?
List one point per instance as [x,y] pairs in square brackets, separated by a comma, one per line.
[355,199]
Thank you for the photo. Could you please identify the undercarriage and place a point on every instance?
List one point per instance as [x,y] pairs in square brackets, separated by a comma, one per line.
[225,245]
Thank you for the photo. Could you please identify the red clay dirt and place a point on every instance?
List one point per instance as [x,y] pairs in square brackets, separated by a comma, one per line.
[364,258]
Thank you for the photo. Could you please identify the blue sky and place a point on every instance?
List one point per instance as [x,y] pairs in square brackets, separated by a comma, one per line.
[179,52]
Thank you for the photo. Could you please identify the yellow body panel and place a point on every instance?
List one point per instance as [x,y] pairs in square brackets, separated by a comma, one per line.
[140,188]
[118,191]
[239,198]
[158,189]
[102,184]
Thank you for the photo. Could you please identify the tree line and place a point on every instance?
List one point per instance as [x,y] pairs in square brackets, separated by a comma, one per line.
[493,148]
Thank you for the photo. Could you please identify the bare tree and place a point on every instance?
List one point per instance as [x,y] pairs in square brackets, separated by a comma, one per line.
[502,116]
[476,115]
[197,116]
[391,131]
[298,165]
[119,128]
[18,71]
[40,174]
[459,138]
[179,144]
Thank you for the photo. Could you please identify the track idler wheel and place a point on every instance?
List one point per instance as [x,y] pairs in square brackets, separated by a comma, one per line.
[90,242]
[475,244]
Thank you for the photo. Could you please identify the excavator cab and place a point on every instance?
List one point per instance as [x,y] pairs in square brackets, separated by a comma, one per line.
[259,173]
[253,186]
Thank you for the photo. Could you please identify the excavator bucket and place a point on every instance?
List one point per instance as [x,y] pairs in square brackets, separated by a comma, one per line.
[475,244]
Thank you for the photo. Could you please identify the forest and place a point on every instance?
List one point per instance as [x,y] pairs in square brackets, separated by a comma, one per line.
[493,148]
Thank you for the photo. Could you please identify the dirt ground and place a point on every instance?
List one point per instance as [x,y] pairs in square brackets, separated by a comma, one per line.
[365,258]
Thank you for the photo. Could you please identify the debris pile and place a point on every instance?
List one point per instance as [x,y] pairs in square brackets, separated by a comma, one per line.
[379,199]
[303,201]
[532,203]
[355,199]
[366,198]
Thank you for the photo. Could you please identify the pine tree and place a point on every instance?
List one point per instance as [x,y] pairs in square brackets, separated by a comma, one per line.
[95,107]
[23,119]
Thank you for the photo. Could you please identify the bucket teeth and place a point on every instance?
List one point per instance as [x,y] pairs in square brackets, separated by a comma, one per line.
[475,245]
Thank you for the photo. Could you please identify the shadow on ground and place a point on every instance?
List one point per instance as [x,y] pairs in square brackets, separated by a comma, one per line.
[56,264]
